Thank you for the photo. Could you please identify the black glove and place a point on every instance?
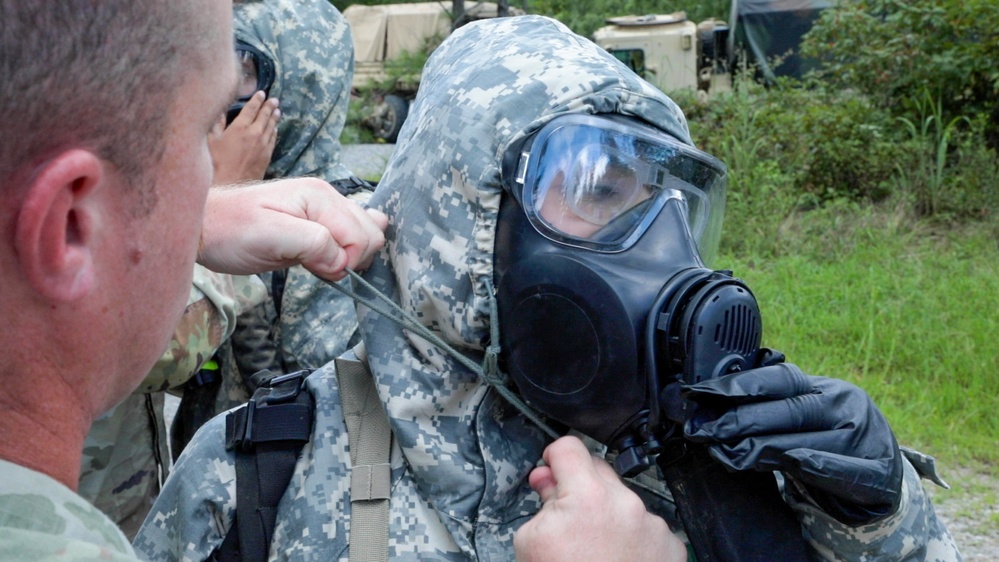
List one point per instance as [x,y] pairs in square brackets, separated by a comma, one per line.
[824,434]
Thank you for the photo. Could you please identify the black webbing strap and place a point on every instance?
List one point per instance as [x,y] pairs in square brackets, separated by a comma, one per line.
[267,435]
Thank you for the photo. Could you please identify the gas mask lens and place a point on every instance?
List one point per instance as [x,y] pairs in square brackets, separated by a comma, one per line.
[598,187]
[597,182]
[247,64]
[256,73]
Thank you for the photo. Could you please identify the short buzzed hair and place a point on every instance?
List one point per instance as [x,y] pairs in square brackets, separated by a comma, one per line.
[100,74]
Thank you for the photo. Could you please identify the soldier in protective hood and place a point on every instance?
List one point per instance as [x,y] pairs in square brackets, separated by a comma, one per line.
[475,189]
[301,53]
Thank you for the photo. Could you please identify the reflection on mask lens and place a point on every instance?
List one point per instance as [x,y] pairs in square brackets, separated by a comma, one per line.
[604,187]
[598,183]
[248,74]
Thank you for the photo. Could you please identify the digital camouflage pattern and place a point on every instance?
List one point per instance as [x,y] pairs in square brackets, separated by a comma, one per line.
[41,519]
[461,455]
[310,44]
[126,455]
[313,54]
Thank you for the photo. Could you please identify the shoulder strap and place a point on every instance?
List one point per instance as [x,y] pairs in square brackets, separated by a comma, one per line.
[369,437]
[267,434]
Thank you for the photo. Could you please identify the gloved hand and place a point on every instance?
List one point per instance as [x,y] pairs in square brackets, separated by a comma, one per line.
[825,434]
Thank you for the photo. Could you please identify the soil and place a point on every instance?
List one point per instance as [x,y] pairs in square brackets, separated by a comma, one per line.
[971,510]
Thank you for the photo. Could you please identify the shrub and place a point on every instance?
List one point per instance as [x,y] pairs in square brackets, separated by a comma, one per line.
[895,50]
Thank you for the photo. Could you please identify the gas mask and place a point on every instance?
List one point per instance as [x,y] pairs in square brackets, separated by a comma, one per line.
[604,300]
[256,71]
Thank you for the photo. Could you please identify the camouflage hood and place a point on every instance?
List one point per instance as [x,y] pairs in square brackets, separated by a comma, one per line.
[490,84]
[313,54]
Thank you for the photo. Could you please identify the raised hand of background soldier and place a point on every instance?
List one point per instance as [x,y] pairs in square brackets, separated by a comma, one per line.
[826,435]
[242,151]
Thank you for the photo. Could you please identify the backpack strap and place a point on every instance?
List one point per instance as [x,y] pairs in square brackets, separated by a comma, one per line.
[370,440]
[267,434]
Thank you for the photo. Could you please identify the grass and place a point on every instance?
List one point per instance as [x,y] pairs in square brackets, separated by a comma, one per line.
[909,314]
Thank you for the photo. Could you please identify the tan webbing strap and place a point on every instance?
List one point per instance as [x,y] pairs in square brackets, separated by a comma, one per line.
[370,439]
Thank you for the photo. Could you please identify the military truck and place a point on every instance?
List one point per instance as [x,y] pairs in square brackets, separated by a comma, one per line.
[387,33]
[673,52]
[670,51]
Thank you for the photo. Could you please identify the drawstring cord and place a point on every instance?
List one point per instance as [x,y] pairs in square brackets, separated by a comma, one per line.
[489,370]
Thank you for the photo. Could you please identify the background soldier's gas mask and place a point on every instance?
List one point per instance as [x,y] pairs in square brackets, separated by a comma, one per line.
[256,72]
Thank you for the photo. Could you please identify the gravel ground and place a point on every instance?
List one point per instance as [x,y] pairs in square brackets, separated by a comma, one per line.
[971,511]
[367,161]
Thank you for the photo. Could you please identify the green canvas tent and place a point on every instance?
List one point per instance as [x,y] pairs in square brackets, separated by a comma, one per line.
[769,32]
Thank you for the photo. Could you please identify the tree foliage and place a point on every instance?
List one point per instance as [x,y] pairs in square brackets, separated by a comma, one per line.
[899,51]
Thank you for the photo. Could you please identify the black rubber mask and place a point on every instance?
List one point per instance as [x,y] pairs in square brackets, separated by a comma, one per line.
[599,269]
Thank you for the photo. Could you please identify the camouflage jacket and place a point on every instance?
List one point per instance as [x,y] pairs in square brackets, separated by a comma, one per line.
[41,519]
[210,317]
[313,54]
[310,45]
[125,454]
[461,454]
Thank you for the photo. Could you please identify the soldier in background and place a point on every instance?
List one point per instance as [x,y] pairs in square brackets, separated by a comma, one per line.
[302,53]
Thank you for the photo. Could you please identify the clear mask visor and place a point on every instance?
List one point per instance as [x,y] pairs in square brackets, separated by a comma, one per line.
[256,72]
[597,183]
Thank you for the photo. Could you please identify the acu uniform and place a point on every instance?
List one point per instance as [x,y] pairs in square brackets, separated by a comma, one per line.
[303,54]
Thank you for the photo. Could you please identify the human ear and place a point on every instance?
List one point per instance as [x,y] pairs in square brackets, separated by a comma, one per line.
[53,233]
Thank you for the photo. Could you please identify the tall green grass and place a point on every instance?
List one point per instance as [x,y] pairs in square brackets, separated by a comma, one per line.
[910,315]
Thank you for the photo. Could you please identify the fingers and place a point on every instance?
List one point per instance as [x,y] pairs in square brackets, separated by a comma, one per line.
[344,235]
[571,463]
[775,382]
[798,414]
[830,407]
[243,151]
[279,224]
[353,236]
[250,110]
[258,109]
[543,483]
[589,514]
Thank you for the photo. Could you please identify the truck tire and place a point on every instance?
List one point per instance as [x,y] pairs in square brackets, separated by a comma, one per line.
[391,116]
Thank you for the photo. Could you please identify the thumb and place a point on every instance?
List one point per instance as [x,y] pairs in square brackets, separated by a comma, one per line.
[543,482]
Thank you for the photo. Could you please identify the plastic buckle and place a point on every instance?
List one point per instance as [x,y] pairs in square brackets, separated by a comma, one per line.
[239,428]
[282,391]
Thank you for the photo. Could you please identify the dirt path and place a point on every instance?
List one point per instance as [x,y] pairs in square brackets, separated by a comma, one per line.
[971,511]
